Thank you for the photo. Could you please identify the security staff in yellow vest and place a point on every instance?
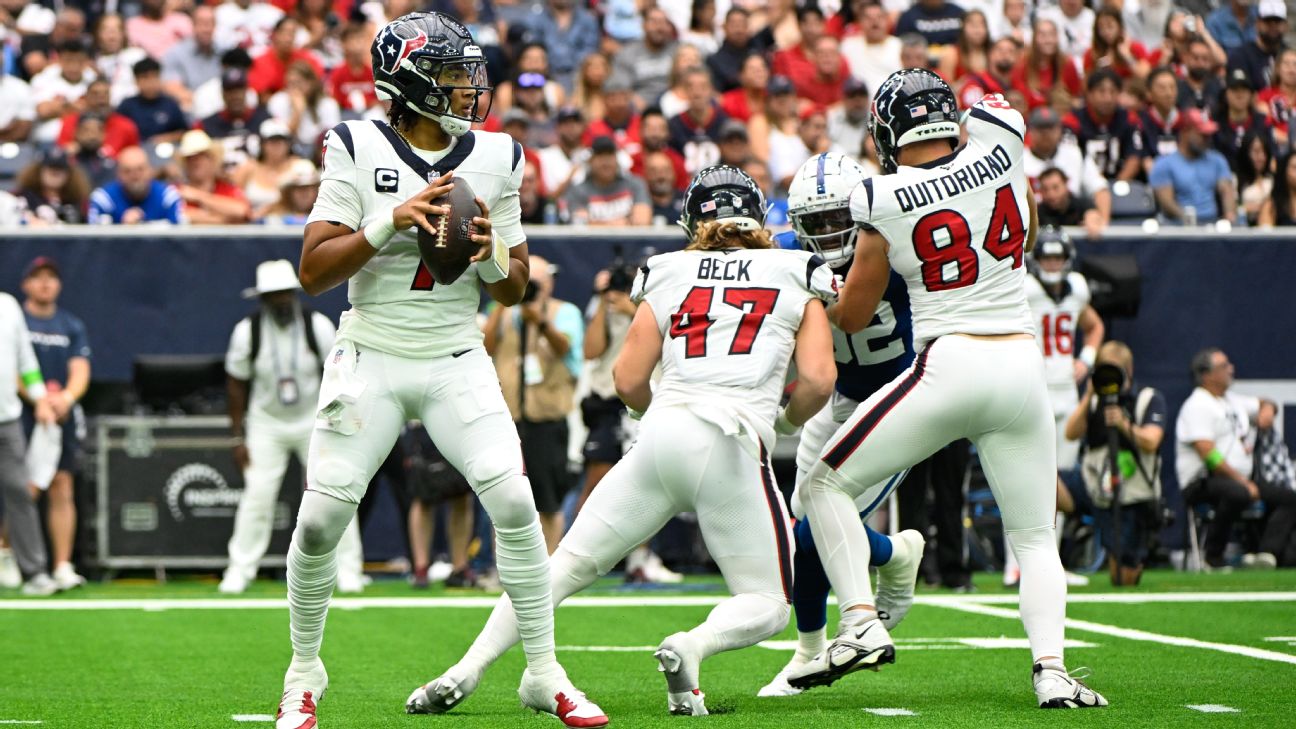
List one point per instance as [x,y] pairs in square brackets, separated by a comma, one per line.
[537,348]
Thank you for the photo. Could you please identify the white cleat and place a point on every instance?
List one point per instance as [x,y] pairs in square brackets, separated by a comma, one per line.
[861,644]
[897,578]
[779,686]
[10,577]
[1057,689]
[41,585]
[232,584]
[351,584]
[556,695]
[66,577]
[443,694]
[679,661]
[303,688]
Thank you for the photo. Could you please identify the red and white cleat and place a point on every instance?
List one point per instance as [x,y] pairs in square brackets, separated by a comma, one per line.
[296,710]
[556,695]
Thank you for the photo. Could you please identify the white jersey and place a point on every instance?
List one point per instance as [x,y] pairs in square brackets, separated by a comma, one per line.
[730,321]
[1057,327]
[368,170]
[956,229]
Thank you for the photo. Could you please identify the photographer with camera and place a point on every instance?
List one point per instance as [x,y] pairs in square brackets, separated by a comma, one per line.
[1122,425]
[536,347]
[609,315]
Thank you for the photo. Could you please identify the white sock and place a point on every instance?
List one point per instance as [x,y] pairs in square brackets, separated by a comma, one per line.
[312,571]
[310,586]
[811,644]
[1043,590]
[740,621]
[523,564]
[843,543]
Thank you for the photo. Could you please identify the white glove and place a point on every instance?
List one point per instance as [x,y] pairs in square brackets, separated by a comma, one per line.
[782,425]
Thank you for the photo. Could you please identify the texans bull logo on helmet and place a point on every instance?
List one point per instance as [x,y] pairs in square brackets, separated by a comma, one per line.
[397,41]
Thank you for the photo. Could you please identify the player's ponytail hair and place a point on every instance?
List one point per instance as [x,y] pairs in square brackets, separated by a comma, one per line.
[713,236]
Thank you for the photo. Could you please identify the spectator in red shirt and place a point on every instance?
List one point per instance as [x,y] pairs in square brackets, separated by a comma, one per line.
[1005,54]
[268,69]
[654,136]
[823,85]
[208,198]
[351,82]
[749,98]
[1279,100]
[971,53]
[797,62]
[1111,49]
[1045,67]
[119,131]
[620,120]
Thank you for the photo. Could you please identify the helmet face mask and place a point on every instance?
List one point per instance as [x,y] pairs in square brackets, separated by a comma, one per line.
[428,63]
[911,105]
[819,206]
[723,194]
[1052,243]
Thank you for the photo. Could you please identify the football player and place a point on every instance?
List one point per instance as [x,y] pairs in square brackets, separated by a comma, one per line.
[1059,301]
[722,317]
[955,222]
[819,205]
[409,349]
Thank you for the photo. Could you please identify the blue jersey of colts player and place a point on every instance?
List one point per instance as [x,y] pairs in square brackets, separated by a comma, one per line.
[819,206]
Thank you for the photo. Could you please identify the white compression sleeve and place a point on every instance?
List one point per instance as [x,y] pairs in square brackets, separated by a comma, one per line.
[1043,589]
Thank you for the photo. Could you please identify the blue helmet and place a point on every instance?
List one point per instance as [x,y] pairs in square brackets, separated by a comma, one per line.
[912,105]
[421,59]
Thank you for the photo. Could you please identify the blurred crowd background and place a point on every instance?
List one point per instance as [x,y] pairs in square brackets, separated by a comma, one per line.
[179,111]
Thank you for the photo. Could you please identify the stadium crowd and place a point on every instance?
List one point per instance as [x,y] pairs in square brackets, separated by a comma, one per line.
[176,111]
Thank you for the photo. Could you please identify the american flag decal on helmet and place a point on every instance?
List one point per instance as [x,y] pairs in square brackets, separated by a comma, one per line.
[917,111]
[708,206]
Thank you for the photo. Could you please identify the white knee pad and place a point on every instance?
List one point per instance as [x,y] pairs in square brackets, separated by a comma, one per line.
[1026,541]
[321,520]
[509,502]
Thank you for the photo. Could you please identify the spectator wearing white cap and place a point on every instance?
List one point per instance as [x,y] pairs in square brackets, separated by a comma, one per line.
[263,176]
[273,365]
[297,195]
[1257,57]
[209,198]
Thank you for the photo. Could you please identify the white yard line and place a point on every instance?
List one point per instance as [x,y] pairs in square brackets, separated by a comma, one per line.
[253,717]
[21,721]
[1128,633]
[891,712]
[1213,708]
[618,601]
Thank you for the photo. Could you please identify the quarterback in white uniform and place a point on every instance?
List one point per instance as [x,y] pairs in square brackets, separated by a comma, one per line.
[955,223]
[722,317]
[411,349]
[1059,301]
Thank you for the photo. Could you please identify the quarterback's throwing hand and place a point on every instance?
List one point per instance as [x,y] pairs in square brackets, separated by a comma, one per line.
[482,232]
[415,211]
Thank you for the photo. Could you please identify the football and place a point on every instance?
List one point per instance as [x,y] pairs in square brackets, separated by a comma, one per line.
[446,254]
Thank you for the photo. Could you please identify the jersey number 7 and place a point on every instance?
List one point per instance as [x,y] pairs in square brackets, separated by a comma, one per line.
[1003,240]
[693,318]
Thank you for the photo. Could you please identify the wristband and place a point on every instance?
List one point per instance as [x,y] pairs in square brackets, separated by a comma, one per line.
[35,385]
[496,268]
[381,230]
[1088,355]
[1214,459]
[782,425]
[634,414]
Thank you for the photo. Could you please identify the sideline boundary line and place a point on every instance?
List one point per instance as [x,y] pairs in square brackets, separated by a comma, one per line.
[1127,633]
[488,601]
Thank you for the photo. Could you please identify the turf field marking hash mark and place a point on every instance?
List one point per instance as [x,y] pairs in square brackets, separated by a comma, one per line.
[1127,633]
[1213,708]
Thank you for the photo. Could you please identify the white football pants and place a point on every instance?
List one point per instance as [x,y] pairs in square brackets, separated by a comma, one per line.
[270,443]
[814,436]
[989,391]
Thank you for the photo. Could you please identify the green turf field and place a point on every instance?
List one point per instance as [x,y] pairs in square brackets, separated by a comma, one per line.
[155,660]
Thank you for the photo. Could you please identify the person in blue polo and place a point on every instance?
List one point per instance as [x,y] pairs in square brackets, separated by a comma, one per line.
[136,196]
